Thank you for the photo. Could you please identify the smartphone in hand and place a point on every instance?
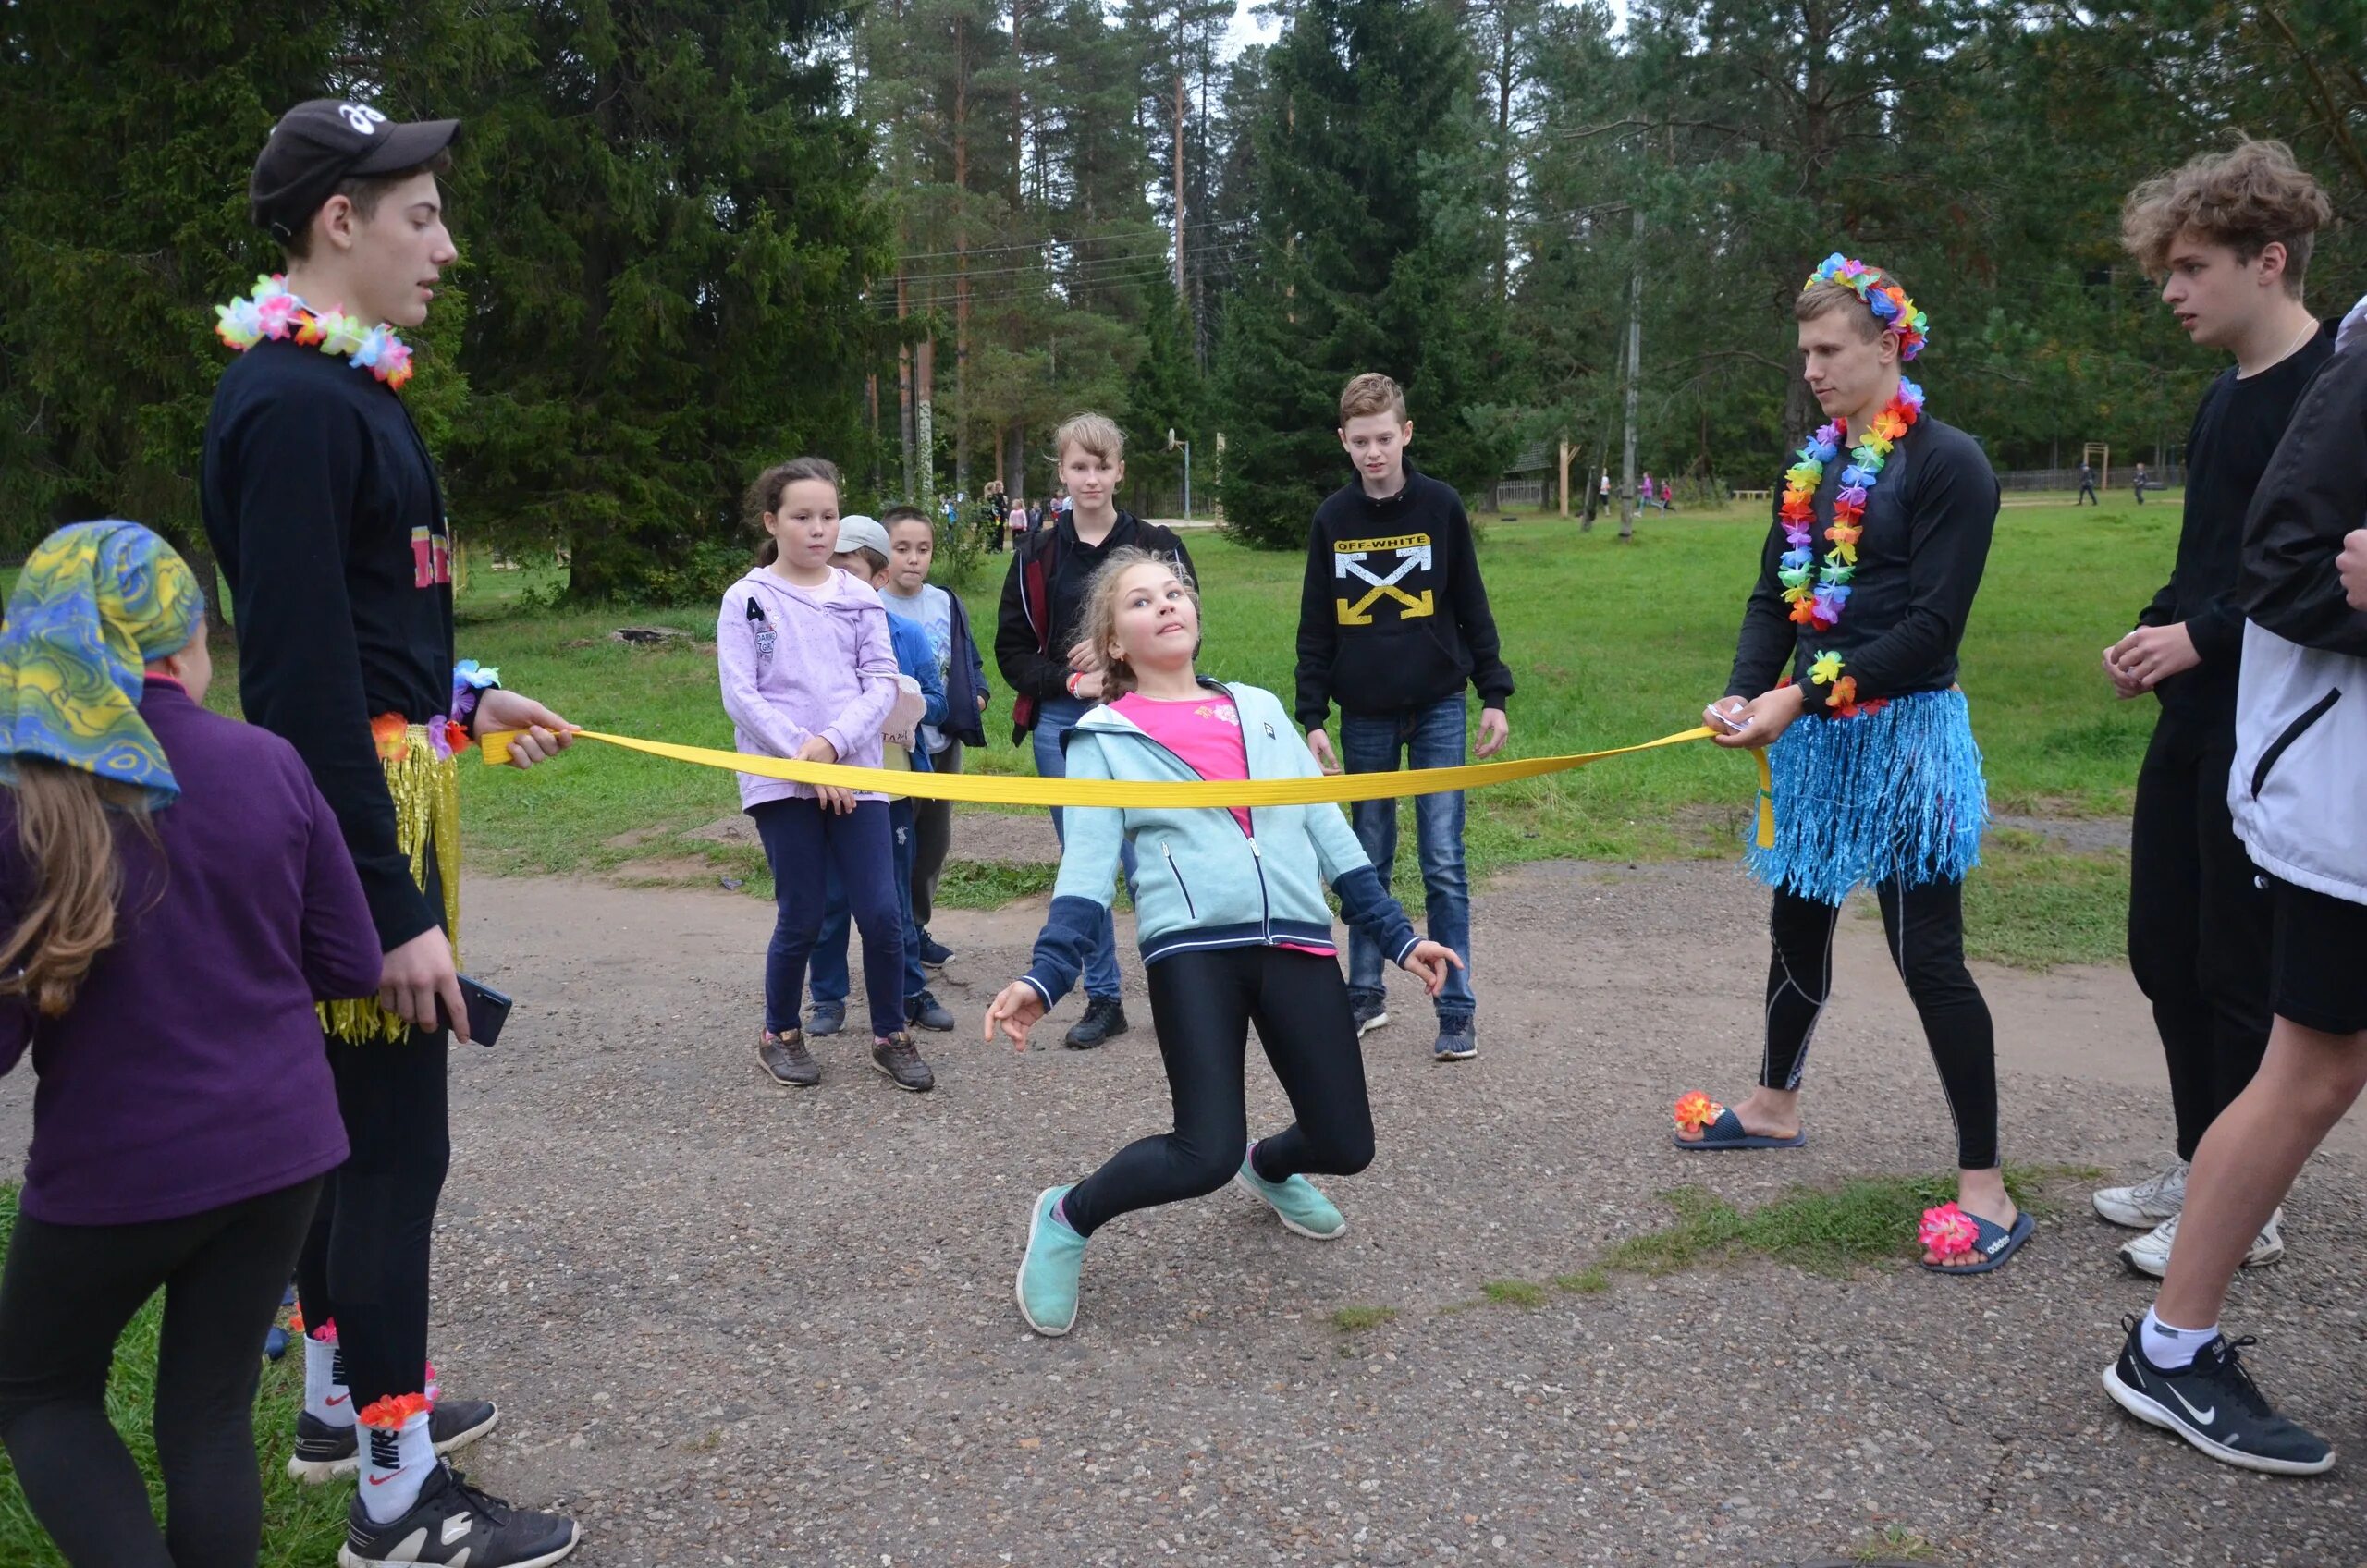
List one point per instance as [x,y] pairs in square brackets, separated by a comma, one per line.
[488,1010]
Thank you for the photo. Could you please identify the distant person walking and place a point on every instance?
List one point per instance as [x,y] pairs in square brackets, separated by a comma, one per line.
[2087,486]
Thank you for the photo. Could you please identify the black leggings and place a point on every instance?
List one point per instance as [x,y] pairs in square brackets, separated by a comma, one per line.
[1924,927]
[1202,1004]
[65,1297]
[365,1263]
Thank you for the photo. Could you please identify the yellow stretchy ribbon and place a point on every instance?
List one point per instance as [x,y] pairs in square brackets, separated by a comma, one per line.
[1006,789]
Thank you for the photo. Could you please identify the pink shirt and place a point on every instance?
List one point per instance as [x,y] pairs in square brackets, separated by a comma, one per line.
[1206,733]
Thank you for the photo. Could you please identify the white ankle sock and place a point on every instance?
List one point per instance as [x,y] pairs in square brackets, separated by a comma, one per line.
[2170,1349]
[395,1464]
[327,1399]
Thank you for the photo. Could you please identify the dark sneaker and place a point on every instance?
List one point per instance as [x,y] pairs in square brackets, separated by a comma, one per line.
[455,1524]
[787,1061]
[934,953]
[1370,1013]
[895,1057]
[323,1452]
[1104,1020]
[926,1011]
[1457,1041]
[826,1018]
[2214,1406]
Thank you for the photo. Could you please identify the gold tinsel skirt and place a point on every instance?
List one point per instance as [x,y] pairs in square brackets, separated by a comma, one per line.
[424,781]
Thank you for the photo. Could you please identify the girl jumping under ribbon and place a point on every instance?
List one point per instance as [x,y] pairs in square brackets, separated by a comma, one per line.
[1231,918]
[1868,576]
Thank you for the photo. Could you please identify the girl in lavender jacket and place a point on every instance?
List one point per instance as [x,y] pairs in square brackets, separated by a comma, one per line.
[808,673]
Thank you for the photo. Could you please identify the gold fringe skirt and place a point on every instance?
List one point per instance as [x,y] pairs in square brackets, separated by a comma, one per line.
[426,790]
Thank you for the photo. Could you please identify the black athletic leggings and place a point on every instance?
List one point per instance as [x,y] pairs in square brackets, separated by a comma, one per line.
[1202,1004]
[1924,927]
[65,1297]
[365,1263]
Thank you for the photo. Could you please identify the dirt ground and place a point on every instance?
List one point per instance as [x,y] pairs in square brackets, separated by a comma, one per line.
[729,1324]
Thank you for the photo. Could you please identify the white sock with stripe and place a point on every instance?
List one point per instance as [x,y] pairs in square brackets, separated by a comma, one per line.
[2170,1349]
[396,1462]
[327,1399]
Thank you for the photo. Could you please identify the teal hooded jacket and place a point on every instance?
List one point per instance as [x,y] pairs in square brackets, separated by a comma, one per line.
[1201,881]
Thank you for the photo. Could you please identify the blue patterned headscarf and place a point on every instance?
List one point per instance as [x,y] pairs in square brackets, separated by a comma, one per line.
[94,603]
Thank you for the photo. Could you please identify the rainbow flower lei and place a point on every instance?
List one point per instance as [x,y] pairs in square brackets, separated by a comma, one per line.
[270,310]
[1818,594]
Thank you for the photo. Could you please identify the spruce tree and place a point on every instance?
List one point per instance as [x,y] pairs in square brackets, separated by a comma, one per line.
[672,231]
[1372,253]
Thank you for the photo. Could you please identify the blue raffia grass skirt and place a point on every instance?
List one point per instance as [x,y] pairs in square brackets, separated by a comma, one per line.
[1896,792]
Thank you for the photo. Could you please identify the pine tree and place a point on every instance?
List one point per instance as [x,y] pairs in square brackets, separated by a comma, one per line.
[1372,255]
[673,233]
[1165,395]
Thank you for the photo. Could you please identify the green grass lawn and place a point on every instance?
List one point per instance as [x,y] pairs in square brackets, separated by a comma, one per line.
[302,1526]
[1610,643]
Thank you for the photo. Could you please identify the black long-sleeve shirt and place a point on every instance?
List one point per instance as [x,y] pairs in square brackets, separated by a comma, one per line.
[2236,430]
[1927,527]
[324,510]
[1394,614]
[1043,673]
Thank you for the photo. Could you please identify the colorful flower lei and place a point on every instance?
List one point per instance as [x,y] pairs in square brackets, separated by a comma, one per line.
[1886,299]
[1818,604]
[272,312]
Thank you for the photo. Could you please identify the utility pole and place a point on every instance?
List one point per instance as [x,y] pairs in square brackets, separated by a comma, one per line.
[1635,360]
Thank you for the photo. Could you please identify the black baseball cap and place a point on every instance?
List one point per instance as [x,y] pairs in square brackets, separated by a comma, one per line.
[319,144]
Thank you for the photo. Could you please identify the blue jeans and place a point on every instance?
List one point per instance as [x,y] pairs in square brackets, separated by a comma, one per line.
[1430,737]
[803,841]
[1053,720]
[829,960]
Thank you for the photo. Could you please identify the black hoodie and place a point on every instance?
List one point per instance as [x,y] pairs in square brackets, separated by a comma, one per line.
[1393,615]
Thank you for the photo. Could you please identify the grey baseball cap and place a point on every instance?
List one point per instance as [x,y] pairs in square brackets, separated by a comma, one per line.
[861,532]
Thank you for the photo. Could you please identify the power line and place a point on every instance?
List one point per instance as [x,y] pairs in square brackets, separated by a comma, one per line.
[1159,234]
[1084,266]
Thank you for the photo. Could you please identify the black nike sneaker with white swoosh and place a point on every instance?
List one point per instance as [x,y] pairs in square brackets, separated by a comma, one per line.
[323,1452]
[455,1525]
[2215,1405]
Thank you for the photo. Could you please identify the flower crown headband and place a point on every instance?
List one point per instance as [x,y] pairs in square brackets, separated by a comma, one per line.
[1893,310]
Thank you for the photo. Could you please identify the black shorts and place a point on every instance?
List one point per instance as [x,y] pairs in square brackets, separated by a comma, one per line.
[2318,960]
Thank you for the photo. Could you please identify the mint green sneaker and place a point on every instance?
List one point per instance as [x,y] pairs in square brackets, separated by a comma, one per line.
[1302,1208]
[1046,1288]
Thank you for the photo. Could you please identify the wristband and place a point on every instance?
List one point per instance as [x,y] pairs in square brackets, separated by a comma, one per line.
[469,683]
[1074,675]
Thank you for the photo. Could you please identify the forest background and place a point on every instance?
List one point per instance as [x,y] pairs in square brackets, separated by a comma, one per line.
[913,234]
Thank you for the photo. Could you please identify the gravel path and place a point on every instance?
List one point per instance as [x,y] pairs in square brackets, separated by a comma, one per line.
[732,1325]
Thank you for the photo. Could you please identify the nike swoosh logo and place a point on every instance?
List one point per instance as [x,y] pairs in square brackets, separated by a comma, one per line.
[335,1400]
[382,1480]
[2202,1416]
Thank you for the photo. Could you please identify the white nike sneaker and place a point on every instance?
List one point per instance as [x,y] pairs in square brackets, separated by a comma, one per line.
[2146,1205]
[2149,1254]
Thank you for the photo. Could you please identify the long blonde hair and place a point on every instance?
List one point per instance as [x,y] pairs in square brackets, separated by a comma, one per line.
[1101,611]
[63,822]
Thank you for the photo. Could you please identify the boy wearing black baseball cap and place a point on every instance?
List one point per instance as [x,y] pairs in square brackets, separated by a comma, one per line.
[324,508]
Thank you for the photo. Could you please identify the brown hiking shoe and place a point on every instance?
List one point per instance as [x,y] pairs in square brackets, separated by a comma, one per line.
[787,1061]
[895,1057]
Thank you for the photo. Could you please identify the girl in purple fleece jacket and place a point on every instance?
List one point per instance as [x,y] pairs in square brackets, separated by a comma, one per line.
[175,894]
[809,673]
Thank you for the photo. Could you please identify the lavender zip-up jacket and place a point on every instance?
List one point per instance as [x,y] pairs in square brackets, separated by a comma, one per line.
[796,663]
